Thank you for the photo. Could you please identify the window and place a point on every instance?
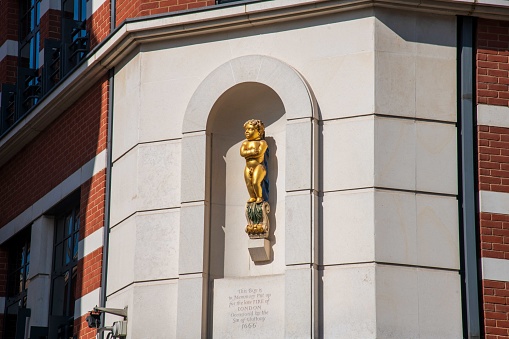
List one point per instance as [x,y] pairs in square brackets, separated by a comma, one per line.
[60,57]
[74,15]
[18,265]
[29,80]
[64,277]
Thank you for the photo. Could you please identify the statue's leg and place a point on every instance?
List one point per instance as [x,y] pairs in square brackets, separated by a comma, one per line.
[249,185]
[258,175]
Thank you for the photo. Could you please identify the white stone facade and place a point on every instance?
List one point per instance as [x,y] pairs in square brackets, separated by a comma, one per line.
[360,110]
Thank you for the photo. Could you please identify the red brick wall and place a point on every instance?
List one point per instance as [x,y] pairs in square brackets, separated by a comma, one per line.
[493,143]
[492,62]
[98,25]
[165,6]
[8,70]
[132,9]
[127,9]
[92,204]
[493,167]
[76,137]
[89,279]
[494,235]
[50,26]
[8,20]
[81,329]
[90,267]
[496,309]
[89,273]
[8,31]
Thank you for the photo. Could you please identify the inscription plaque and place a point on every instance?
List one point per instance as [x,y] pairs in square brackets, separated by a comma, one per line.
[249,307]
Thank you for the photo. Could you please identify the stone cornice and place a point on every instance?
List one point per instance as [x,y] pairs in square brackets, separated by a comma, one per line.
[134,32]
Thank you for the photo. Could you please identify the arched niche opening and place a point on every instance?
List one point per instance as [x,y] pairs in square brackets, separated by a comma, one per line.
[229,255]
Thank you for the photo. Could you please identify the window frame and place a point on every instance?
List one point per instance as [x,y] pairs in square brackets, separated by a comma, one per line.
[18,251]
[62,325]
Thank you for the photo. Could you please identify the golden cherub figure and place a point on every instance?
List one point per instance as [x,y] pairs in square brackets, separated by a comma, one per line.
[253,149]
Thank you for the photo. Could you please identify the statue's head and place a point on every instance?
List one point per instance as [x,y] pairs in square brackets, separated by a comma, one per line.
[256,125]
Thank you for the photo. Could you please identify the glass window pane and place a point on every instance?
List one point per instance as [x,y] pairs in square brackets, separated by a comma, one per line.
[17,257]
[64,287]
[23,254]
[76,10]
[72,296]
[67,299]
[77,220]
[36,52]
[13,283]
[60,230]
[24,55]
[58,291]
[28,253]
[68,251]
[75,247]
[31,61]
[38,13]
[68,225]
[27,282]
[19,282]
[59,249]
[32,19]
[83,14]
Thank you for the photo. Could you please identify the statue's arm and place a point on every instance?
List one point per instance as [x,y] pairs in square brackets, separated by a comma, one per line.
[263,147]
[244,152]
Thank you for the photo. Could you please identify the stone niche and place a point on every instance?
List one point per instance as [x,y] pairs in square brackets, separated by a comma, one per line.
[235,276]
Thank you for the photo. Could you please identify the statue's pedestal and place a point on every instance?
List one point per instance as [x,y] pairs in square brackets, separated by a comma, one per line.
[259,249]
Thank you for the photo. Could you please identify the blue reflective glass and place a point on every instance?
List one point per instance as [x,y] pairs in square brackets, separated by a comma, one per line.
[68,251]
[37,49]
[38,13]
[31,61]
[83,13]
[76,9]
[75,247]
[68,225]
[32,19]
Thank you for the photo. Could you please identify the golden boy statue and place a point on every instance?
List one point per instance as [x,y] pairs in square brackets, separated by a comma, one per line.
[253,150]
